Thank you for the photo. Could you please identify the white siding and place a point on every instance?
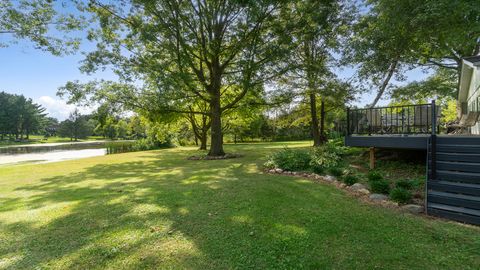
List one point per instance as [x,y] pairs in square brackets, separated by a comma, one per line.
[474,97]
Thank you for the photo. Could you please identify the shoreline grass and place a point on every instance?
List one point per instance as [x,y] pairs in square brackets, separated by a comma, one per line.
[38,139]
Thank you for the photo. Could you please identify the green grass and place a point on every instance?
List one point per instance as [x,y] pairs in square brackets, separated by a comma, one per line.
[157,210]
[38,139]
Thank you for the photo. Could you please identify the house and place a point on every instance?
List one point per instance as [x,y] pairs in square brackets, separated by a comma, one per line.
[469,91]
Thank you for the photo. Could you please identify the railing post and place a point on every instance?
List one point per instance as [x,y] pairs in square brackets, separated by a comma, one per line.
[433,149]
[434,118]
[348,121]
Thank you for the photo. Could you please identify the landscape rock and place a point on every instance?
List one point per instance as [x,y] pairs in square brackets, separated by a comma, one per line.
[329,178]
[378,197]
[278,170]
[413,208]
[364,191]
[357,187]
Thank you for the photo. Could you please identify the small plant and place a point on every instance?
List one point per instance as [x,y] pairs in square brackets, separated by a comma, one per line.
[380,186]
[318,169]
[289,160]
[350,179]
[400,195]
[405,184]
[374,176]
[335,171]
[377,183]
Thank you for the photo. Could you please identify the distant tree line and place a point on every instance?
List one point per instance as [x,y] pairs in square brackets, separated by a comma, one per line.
[20,117]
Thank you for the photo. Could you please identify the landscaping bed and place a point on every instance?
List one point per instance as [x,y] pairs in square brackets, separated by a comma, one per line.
[399,182]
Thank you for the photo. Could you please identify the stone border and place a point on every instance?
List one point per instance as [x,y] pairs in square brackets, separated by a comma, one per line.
[357,190]
[226,156]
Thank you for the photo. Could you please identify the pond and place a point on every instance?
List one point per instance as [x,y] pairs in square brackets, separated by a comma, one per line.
[50,152]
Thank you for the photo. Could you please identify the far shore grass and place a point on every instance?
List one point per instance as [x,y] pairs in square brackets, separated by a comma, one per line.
[39,139]
[158,210]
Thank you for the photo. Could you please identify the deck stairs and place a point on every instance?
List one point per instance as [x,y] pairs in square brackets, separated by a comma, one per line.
[453,178]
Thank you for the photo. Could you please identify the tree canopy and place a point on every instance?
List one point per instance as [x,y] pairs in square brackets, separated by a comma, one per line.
[43,22]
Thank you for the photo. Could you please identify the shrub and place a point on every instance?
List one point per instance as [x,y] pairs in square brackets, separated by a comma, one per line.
[379,186]
[377,183]
[318,169]
[119,147]
[405,184]
[335,171]
[374,176]
[400,195]
[289,160]
[151,143]
[350,179]
[326,156]
[138,145]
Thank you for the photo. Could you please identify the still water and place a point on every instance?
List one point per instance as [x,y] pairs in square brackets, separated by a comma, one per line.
[51,152]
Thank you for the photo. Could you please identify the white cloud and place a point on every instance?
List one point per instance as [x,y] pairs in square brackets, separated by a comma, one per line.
[59,108]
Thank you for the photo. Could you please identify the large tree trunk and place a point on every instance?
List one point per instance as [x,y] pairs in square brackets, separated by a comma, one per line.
[216,147]
[313,114]
[323,137]
[203,138]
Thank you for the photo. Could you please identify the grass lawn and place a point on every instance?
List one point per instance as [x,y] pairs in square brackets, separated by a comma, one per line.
[36,139]
[158,210]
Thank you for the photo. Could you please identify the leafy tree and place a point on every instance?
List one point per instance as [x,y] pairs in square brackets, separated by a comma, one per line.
[19,116]
[122,129]
[393,36]
[317,27]
[136,128]
[213,51]
[75,127]
[442,86]
[39,21]
[50,126]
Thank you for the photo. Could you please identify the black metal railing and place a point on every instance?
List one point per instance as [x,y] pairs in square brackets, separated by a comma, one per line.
[405,119]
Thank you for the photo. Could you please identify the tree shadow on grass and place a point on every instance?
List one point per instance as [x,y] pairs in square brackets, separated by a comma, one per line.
[167,212]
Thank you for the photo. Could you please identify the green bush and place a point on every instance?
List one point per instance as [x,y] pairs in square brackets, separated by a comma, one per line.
[405,184]
[318,169]
[379,186]
[289,160]
[336,171]
[400,195]
[374,176]
[377,183]
[350,179]
[327,156]
[119,147]
[138,145]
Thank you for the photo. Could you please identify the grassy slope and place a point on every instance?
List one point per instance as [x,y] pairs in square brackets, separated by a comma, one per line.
[157,210]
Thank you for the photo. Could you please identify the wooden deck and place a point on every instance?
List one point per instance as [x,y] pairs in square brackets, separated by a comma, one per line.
[414,142]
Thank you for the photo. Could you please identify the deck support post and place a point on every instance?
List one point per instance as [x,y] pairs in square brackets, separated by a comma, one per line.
[372,158]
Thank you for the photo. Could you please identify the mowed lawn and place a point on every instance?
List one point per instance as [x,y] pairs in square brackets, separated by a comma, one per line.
[157,210]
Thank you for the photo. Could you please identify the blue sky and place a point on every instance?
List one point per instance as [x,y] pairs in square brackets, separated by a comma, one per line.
[37,75]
